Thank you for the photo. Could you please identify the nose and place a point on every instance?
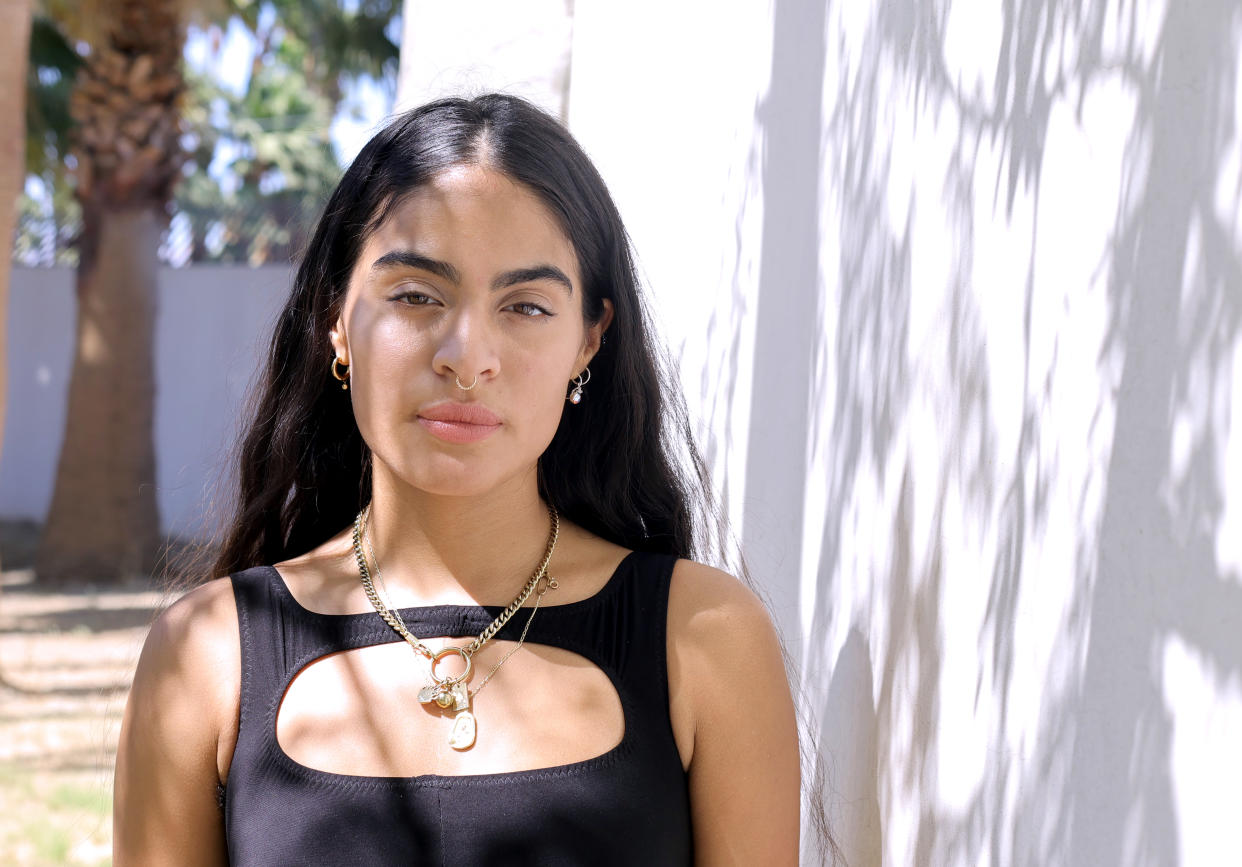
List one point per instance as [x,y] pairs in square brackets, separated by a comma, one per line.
[466,349]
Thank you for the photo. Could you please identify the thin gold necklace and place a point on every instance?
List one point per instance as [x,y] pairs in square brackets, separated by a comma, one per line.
[451,693]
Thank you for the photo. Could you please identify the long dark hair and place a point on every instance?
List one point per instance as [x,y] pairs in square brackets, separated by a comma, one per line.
[622,464]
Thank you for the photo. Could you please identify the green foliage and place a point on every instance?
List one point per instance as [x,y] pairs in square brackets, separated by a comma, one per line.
[51,842]
[94,799]
[268,148]
[260,162]
[61,819]
[49,81]
[46,224]
[328,42]
[273,166]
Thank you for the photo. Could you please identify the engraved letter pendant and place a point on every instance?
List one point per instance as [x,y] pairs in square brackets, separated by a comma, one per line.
[464,731]
[454,699]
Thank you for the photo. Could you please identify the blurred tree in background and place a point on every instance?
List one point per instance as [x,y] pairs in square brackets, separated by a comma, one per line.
[126,155]
[261,161]
[124,159]
[275,163]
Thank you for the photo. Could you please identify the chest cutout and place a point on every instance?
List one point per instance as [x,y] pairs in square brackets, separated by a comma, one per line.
[357,712]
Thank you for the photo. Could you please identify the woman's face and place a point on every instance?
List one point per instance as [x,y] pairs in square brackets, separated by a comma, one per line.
[469,280]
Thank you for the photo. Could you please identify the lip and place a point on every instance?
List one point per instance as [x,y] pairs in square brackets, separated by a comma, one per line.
[459,422]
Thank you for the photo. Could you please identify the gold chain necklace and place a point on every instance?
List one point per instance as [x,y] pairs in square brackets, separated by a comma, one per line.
[549,584]
[450,693]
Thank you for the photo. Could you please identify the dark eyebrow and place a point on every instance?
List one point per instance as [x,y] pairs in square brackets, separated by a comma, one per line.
[530,275]
[410,259]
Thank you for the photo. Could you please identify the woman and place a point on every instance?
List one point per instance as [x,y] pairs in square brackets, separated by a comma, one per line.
[461,473]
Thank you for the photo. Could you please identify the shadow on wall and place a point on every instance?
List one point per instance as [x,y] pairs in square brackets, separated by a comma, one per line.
[789,120]
[1097,789]
[1175,290]
[847,744]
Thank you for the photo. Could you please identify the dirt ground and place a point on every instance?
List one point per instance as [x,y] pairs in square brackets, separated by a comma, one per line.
[66,660]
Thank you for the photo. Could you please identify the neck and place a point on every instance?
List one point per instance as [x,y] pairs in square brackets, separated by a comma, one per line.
[436,549]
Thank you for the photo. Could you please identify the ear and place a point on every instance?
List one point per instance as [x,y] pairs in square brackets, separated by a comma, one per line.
[595,336]
[339,344]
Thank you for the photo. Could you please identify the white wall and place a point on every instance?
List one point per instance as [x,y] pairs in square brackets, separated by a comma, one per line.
[956,288]
[211,326]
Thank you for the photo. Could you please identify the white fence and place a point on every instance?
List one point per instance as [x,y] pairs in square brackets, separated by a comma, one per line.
[211,324]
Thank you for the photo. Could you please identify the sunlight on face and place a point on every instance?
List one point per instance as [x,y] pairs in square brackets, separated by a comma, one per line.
[463,325]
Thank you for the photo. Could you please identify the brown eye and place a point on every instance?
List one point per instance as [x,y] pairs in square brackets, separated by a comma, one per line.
[414,299]
[529,310]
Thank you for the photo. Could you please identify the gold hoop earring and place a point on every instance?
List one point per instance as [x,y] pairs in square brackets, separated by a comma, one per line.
[343,377]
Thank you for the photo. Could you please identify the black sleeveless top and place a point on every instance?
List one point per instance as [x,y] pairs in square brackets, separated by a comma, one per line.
[627,806]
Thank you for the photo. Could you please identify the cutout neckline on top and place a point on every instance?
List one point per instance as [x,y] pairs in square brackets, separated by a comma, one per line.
[597,761]
[444,780]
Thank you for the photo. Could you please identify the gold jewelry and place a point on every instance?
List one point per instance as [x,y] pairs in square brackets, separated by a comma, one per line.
[451,693]
[343,377]
[467,387]
[382,590]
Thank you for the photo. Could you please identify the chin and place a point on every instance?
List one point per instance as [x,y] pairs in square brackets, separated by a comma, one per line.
[460,471]
[454,477]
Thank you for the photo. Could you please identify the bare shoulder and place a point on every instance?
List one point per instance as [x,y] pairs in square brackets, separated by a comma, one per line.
[202,622]
[733,720]
[709,609]
[194,651]
[721,643]
[178,733]
[212,599]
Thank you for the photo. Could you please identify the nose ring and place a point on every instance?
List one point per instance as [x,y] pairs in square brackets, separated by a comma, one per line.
[467,387]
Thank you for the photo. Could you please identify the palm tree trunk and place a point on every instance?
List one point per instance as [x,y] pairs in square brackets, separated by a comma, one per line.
[103,525]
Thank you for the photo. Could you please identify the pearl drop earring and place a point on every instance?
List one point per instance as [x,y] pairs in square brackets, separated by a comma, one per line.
[575,396]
